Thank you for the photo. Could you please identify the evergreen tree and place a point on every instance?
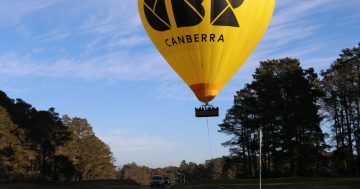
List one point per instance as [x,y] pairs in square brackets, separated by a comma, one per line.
[190,170]
[47,133]
[136,174]
[283,101]
[13,157]
[33,141]
[91,157]
[40,134]
[341,84]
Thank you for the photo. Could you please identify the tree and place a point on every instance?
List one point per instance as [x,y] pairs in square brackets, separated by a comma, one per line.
[341,84]
[63,168]
[134,173]
[190,170]
[40,134]
[283,101]
[47,133]
[91,157]
[215,169]
[244,142]
[12,156]
[39,144]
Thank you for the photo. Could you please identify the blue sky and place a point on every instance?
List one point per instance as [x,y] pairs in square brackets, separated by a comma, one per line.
[92,59]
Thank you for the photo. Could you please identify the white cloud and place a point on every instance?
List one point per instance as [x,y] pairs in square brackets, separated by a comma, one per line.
[174,89]
[150,150]
[12,12]
[105,40]
[92,40]
[124,141]
[114,66]
[37,50]
[55,35]
[283,35]
[298,30]
[318,63]
[291,22]
[293,10]
[130,41]
[23,30]
[111,17]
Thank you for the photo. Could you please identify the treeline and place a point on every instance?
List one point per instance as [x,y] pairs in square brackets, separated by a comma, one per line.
[37,145]
[290,104]
[215,169]
[310,124]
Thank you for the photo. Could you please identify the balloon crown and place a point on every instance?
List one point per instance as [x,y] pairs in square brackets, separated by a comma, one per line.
[189,13]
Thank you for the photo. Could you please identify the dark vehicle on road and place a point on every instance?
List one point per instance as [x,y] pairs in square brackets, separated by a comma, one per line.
[167,180]
[157,181]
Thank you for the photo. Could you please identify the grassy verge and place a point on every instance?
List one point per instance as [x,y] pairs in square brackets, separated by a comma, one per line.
[289,183]
[104,184]
[284,183]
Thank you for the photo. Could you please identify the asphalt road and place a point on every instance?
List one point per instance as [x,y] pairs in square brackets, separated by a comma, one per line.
[146,187]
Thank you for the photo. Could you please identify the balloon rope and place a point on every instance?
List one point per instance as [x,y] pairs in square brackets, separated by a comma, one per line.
[260,156]
[210,148]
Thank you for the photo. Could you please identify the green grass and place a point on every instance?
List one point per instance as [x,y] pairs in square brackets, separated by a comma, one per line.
[283,183]
[105,184]
[289,183]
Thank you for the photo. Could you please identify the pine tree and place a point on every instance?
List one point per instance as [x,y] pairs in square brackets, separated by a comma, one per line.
[91,157]
[136,174]
[283,101]
[341,84]
[40,145]
[13,157]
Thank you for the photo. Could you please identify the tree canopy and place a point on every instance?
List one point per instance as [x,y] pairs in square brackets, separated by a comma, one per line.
[293,107]
[38,144]
[282,101]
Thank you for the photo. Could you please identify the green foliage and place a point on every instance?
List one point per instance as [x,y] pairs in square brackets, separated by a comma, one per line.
[40,134]
[38,145]
[214,169]
[282,100]
[92,158]
[138,174]
[341,84]
[63,168]
[12,156]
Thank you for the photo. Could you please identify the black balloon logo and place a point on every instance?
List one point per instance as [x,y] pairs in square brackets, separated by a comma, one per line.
[223,12]
[188,12]
[156,14]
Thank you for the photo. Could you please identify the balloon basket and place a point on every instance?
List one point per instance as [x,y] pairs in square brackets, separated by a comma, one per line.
[207,111]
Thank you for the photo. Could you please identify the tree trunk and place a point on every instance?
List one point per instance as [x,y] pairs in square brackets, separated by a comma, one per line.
[249,163]
[245,157]
[349,133]
[357,129]
[337,123]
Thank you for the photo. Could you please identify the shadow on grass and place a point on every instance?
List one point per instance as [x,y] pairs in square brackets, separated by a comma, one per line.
[283,183]
[99,184]
[288,183]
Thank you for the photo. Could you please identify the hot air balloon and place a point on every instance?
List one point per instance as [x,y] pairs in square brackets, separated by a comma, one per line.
[206,41]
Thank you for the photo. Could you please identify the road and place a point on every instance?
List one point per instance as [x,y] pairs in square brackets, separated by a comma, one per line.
[145,187]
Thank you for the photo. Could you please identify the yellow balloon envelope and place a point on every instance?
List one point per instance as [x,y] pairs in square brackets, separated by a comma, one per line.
[206,41]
